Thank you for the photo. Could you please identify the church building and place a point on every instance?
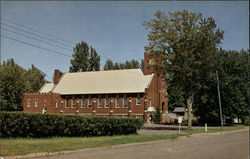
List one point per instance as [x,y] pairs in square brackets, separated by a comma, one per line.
[116,93]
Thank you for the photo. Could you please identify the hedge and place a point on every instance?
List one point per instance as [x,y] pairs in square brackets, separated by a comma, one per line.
[20,124]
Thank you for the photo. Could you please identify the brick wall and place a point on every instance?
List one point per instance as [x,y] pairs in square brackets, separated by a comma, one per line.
[155,96]
[49,100]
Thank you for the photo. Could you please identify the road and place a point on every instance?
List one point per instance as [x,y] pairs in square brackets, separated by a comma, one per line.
[229,145]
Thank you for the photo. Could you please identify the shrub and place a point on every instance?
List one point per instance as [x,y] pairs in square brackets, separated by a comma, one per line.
[20,124]
[247,120]
[157,116]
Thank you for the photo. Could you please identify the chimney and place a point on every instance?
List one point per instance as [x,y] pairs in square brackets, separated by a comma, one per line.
[57,75]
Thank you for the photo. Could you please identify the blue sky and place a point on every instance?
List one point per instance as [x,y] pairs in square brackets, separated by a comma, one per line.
[114,29]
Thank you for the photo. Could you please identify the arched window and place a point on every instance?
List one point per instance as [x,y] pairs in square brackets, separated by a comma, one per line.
[99,101]
[66,102]
[138,99]
[73,102]
[117,103]
[82,101]
[125,101]
[89,101]
[107,101]
[44,110]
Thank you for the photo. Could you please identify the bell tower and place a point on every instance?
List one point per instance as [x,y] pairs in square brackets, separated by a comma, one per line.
[158,87]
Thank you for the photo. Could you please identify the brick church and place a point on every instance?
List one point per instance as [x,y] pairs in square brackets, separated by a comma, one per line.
[114,93]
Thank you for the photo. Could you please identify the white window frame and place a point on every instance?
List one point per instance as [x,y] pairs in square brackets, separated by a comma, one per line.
[106,101]
[125,101]
[36,103]
[99,105]
[28,102]
[73,102]
[56,104]
[117,101]
[66,102]
[82,101]
[89,102]
[137,99]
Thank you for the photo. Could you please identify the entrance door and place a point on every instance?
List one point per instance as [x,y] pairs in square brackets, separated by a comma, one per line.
[44,110]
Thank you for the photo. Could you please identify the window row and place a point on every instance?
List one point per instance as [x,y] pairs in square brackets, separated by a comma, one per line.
[86,101]
[29,104]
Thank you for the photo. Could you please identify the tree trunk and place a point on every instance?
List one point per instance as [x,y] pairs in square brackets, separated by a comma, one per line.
[190,100]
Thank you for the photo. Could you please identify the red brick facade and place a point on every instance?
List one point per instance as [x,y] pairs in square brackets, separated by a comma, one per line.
[130,104]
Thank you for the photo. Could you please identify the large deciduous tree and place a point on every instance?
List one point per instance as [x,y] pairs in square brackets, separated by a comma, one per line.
[233,75]
[85,58]
[15,81]
[35,79]
[189,42]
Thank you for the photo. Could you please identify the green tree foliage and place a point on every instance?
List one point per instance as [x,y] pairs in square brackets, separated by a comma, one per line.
[35,79]
[233,75]
[15,81]
[110,65]
[85,58]
[157,116]
[142,65]
[176,97]
[12,85]
[189,43]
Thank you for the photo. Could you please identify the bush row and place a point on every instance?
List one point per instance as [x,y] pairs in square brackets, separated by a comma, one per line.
[20,124]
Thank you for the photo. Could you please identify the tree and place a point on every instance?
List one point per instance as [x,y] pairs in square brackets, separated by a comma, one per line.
[233,74]
[85,58]
[142,65]
[94,60]
[234,85]
[157,116]
[189,43]
[108,65]
[12,86]
[176,96]
[35,79]
[15,81]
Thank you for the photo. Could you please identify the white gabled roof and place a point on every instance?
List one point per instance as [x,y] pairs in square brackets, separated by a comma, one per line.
[46,88]
[102,82]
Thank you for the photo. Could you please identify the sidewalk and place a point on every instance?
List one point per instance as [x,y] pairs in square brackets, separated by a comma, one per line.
[159,129]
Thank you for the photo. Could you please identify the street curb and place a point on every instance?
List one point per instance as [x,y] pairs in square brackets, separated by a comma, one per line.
[47,154]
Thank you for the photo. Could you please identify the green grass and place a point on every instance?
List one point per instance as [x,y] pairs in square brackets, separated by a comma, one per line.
[22,146]
[214,130]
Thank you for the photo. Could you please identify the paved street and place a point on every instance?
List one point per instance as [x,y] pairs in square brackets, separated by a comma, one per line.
[229,145]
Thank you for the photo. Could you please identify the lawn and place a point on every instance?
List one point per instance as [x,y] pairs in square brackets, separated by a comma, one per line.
[22,146]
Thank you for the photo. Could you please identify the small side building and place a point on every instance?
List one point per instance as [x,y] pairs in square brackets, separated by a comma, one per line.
[115,93]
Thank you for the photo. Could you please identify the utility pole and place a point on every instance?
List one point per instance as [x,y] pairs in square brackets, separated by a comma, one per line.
[218,88]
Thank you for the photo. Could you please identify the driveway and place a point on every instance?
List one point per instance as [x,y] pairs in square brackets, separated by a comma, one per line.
[227,145]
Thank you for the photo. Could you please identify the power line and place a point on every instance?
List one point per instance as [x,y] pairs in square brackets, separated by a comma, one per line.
[23,42]
[36,30]
[36,39]
[34,34]
[26,43]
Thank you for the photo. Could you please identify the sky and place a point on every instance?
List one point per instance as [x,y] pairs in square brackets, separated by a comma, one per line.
[113,28]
